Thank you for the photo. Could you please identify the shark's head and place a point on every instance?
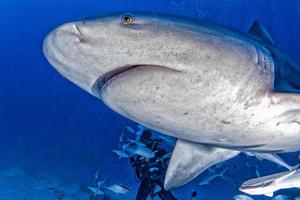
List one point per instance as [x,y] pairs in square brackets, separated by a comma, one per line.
[92,51]
[124,57]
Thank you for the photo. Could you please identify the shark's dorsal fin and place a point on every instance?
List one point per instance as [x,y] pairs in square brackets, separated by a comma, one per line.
[258,31]
[191,159]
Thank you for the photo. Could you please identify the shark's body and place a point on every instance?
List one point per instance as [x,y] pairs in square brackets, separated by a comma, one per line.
[209,86]
[267,185]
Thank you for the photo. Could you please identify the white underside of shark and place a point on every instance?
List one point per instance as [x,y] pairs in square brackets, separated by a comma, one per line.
[209,86]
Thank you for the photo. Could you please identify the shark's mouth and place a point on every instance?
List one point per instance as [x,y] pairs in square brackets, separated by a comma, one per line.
[102,80]
[110,75]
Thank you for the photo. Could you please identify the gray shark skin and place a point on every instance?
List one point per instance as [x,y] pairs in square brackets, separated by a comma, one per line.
[199,82]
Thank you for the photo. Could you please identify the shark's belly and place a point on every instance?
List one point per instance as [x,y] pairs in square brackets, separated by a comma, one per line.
[187,113]
[218,100]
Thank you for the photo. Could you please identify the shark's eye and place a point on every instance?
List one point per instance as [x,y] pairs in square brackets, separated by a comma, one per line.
[127,19]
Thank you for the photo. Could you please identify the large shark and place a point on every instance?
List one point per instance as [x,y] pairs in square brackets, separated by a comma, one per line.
[207,85]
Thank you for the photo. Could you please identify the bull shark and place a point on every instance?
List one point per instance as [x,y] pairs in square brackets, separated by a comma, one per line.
[267,185]
[211,87]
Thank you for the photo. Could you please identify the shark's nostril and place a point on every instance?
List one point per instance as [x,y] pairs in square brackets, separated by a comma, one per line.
[76,27]
[80,36]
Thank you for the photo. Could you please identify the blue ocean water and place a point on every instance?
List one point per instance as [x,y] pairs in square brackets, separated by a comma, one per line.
[49,127]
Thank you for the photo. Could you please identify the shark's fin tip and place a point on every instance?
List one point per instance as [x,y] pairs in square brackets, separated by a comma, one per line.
[190,159]
[259,31]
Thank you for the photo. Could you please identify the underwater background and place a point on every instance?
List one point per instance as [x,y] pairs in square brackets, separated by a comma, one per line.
[55,136]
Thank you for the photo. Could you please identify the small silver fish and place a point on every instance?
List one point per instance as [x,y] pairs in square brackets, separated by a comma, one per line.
[96,176]
[211,176]
[130,129]
[96,191]
[136,149]
[281,197]
[121,154]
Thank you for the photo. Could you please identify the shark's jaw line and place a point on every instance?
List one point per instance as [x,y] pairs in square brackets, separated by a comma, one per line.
[103,79]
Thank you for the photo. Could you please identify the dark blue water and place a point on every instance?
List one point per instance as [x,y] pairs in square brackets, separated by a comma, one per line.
[50,126]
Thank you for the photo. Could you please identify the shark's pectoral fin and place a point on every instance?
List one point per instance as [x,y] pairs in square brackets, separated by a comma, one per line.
[259,32]
[190,159]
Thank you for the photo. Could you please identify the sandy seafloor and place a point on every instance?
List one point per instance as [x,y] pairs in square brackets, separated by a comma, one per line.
[16,184]
[54,136]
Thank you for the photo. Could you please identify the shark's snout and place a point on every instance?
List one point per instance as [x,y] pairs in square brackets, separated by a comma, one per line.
[65,49]
[58,43]
[91,52]
[61,36]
